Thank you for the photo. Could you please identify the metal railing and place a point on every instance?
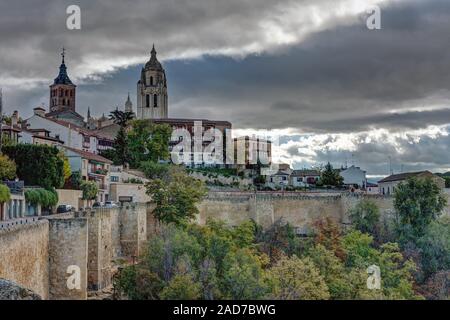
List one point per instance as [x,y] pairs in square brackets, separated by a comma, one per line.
[16,187]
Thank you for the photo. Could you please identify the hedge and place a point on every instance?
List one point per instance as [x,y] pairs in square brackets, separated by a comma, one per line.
[46,198]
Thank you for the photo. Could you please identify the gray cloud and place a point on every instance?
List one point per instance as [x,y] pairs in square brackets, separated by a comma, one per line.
[259,64]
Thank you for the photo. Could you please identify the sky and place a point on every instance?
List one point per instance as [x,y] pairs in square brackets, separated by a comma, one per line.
[309,70]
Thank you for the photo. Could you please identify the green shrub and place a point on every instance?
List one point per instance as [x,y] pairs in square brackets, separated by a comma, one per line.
[5,193]
[41,196]
[90,190]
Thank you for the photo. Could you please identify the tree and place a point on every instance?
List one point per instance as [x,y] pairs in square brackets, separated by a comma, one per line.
[434,246]
[121,117]
[176,196]
[66,168]
[330,176]
[365,216]
[43,197]
[37,165]
[296,279]
[153,170]
[121,147]
[278,240]
[396,271]
[243,276]
[90,190]
[122,154]
[328,234]
[7,168]
[148,142]
[181,287]
[417,203]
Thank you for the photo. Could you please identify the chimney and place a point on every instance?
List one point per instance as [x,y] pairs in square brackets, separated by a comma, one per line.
[15,119]
[39,111]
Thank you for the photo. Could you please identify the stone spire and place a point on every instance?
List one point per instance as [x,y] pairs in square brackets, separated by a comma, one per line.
[89,113]
[63,77]
[153,63]
[128,104]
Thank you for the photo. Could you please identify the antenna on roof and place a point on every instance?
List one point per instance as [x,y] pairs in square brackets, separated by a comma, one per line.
[391,172]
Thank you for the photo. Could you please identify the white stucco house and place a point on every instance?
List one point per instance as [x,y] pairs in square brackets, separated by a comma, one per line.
[354,176]
[304,178]
[71,135]
[388,185]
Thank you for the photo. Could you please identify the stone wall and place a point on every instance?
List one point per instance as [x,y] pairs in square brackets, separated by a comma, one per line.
[100,249]
[301,210]
[133,229]
[24,255]
[126,189]
[68,239]
[72,197]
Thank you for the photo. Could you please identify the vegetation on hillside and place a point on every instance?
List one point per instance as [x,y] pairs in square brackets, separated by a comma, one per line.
[187,261]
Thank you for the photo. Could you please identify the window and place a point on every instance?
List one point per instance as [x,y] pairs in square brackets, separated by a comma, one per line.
[147,101]
[114,179]
[151,81]
[155,101]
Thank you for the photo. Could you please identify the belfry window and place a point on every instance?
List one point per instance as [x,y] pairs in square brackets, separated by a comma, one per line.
[147,101]
[155,101]
[151,81]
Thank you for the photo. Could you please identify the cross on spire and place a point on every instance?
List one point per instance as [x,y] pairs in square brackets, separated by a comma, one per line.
[63,54]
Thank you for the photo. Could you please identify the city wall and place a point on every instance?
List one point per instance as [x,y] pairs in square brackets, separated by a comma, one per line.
[43,253]
[38,252]
[24,254]
[301,210]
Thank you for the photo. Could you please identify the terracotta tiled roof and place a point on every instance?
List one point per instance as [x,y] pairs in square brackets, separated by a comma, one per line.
[89,155]
[404,176]
[78,128]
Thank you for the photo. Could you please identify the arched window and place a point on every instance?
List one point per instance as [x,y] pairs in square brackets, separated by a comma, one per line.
[147,101]
[151,81]
[155,101]
[67,93]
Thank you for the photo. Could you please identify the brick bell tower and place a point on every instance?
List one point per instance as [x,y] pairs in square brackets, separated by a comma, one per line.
[62,91]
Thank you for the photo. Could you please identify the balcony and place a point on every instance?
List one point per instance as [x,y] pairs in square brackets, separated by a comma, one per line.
[16,187]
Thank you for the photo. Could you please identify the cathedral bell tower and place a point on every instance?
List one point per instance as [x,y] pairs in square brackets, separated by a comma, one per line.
[62,91]
[152,100]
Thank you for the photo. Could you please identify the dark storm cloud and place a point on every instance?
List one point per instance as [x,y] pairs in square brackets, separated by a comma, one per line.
[259,64]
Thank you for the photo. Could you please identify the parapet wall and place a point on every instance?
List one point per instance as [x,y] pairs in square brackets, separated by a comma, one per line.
[24,254]
[68,247]
[265,208]
[301,210]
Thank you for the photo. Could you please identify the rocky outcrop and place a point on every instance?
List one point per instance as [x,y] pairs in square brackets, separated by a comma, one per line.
[12,291]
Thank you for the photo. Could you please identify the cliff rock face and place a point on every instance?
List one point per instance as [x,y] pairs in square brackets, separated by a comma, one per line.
[12,291]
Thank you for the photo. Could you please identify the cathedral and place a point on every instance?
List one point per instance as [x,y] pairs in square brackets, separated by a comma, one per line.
[152,100]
